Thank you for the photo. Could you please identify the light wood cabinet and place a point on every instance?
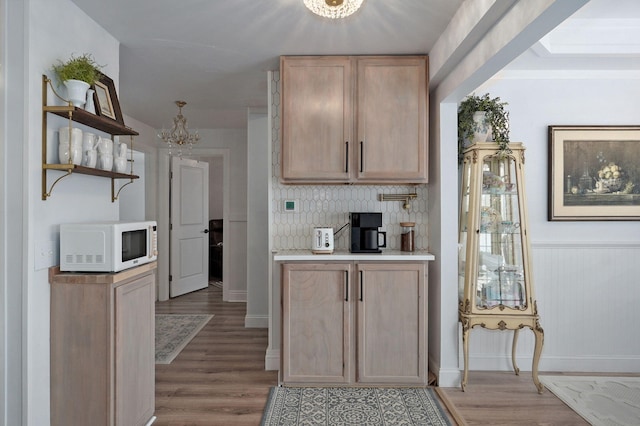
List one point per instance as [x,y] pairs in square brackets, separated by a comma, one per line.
[354,323]
[354,119]
[317,322]
[392,323]
[317,119]
[103,347]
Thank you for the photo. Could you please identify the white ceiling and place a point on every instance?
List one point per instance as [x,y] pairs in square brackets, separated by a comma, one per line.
[604,35]
[214,54]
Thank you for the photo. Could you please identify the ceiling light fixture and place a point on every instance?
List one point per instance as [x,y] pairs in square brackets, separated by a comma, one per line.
[333,8]
[179,134]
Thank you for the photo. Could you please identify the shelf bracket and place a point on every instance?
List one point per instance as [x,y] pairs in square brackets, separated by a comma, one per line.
[114,194]
[46,194]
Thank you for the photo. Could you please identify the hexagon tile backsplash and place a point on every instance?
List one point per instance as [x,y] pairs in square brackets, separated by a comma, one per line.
[329,205]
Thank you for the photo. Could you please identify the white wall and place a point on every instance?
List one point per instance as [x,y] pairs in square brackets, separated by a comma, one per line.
[147,143]
[258,254]
[216,173]
[131,196]
[13,223]
[585,273]
[75,198]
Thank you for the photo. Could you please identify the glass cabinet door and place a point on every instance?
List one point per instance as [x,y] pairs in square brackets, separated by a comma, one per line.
[500,273]
[462,227]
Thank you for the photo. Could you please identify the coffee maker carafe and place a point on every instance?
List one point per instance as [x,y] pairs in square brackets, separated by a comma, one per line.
[364,233]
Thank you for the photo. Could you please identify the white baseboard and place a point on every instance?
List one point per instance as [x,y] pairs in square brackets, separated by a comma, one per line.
[236,296]
[256,321]
[554,363]
[447,377]
[272,359]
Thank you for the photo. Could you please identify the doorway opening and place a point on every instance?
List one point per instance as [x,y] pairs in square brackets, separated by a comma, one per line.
[216,221]
[222,159]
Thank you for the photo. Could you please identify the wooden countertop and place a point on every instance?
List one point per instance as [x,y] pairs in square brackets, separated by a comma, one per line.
[56,276]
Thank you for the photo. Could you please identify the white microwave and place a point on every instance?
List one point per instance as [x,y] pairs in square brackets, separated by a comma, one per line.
[107,247]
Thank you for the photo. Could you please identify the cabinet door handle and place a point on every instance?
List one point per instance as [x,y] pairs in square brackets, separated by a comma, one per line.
[361,288]
[346,286]
[346,163]
[361,156]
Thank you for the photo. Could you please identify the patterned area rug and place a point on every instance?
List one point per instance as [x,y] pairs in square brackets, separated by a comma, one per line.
[174,331]
[353,406]
[600,400]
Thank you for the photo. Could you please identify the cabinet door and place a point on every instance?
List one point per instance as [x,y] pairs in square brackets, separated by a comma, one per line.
[316,119]
[316,323]
[392,119]
[135,351]
[392,323]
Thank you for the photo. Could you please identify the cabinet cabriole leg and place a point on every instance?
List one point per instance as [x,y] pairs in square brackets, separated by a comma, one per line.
[513,351]
[465,347]
[539,333]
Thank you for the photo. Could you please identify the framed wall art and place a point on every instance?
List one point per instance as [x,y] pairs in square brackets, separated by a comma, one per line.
[594,173]
[106,99]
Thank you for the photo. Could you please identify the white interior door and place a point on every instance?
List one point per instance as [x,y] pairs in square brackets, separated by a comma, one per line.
[189,218]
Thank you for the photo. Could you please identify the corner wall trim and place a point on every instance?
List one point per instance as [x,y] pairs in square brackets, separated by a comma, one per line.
[272,360]
[256,321]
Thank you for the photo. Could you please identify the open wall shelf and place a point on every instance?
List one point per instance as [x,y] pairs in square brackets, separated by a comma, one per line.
[78,115]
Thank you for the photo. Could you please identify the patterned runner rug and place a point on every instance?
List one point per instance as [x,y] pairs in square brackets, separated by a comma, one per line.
[353,406]
[599,400]
[174,331]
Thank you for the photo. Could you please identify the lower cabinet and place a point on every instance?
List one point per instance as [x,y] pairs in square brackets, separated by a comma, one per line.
[354,322]
[102,348]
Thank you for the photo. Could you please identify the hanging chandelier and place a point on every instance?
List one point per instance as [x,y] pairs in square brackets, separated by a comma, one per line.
[333,8]
[179,134]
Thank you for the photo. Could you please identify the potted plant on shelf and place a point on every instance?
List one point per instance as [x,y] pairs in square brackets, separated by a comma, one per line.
[78,74]
[480,117]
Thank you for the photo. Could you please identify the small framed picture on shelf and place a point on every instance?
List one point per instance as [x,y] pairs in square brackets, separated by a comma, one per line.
[106,99]
[594,173]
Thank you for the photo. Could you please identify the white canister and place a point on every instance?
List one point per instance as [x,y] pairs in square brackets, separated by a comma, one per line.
[89,141]
[90,158]
[105,146]
[122,150]
[105,161]
[89,105]
[68,149]
[119,164]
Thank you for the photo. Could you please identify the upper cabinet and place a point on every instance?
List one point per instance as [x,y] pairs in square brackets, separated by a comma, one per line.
[354,119]
[317,118]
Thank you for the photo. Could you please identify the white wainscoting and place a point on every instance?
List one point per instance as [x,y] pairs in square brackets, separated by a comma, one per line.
[588,298]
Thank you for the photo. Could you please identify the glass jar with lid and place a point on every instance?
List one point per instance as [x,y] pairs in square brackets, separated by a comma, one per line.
[407,236]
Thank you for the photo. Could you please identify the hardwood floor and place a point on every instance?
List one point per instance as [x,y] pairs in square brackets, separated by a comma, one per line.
[219,378]
[502,398]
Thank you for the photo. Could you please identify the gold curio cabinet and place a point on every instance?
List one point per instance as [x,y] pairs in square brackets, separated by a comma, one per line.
[495,289]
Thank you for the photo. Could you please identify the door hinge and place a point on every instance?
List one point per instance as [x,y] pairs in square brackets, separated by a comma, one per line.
[170,277]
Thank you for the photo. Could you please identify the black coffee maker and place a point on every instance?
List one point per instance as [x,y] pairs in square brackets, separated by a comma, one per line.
[364,232]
